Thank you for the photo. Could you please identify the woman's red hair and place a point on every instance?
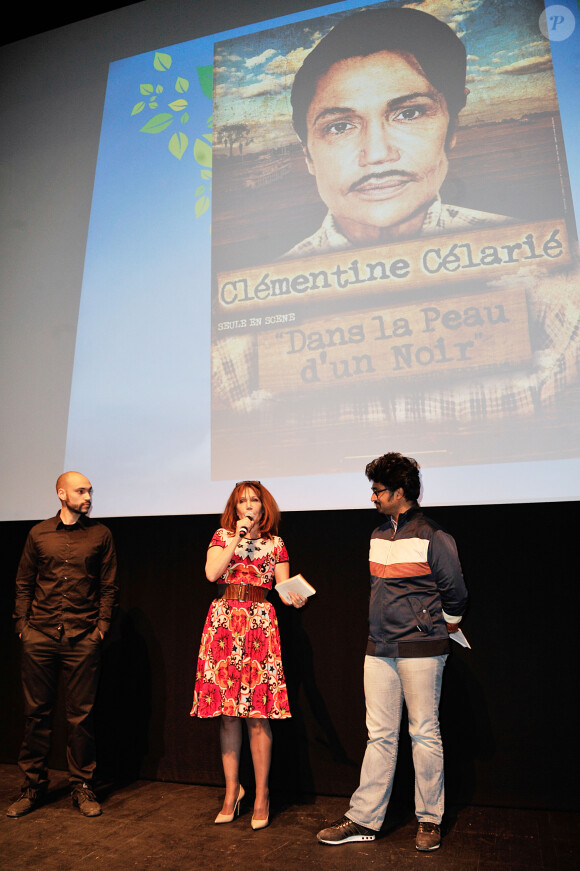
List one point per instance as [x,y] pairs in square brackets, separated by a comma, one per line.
[270,511]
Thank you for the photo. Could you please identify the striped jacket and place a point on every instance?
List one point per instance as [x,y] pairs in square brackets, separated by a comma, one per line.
[416,587]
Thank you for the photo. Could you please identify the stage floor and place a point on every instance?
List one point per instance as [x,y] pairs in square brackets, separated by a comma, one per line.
[153,825]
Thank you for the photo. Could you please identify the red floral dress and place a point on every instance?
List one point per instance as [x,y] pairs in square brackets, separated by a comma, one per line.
[239,668]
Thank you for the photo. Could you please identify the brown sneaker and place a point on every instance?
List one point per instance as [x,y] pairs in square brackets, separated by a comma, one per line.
[343,831]
[428,837]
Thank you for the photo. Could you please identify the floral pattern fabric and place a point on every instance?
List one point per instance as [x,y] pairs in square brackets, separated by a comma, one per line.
[239,668]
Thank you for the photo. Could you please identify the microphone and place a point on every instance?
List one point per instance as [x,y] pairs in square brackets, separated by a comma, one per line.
[244,529]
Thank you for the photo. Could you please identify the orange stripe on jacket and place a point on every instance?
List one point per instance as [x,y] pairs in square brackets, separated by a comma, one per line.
[399,570]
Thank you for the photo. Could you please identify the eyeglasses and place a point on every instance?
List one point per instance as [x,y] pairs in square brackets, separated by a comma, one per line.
[238,483]
[376,492]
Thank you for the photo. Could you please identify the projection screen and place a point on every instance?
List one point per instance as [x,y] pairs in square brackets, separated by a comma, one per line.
[284,298]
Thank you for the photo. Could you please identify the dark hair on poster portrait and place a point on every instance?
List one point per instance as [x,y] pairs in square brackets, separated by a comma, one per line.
[433,44]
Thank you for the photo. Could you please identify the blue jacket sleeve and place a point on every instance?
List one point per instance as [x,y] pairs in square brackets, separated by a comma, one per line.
[444,562]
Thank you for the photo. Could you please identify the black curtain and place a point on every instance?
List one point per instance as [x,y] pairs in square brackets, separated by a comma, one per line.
[506,710]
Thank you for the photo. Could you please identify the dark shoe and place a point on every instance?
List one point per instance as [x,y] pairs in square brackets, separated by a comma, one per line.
[428,837]
[27,801]
[86,801]
[343,831]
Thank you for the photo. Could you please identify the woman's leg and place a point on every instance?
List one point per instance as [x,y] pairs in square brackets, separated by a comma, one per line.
[260,735]
[231,745]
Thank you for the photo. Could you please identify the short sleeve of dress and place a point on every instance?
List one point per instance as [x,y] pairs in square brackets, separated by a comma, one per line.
[280,551]
[218,539]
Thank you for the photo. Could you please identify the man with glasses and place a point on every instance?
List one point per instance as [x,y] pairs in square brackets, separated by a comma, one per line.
[418,597]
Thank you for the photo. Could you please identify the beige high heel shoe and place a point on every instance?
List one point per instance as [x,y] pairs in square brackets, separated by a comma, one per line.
[228,818]
[261,824]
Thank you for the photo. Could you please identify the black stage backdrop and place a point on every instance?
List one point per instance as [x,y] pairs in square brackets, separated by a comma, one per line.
[506,710]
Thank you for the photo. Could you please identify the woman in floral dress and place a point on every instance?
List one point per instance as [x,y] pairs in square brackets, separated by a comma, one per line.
[239,671]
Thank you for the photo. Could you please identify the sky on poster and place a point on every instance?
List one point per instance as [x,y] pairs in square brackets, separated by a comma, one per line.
[509,71]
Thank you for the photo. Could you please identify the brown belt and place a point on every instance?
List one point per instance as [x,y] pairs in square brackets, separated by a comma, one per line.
[244,593]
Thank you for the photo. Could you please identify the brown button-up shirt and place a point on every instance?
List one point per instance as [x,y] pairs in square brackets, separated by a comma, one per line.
[67,578]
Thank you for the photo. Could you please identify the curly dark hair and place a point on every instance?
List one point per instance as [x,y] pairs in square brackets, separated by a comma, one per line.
[393,471]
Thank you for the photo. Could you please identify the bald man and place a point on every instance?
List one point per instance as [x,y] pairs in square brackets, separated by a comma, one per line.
[66,595]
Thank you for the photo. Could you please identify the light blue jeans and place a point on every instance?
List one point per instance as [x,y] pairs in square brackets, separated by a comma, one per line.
[387,682]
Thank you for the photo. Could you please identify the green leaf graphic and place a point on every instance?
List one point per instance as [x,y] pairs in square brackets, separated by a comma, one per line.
[178,145]
[158,123]
[201,206]
[162,62]
[202,152]
[182,85]
[205,76]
